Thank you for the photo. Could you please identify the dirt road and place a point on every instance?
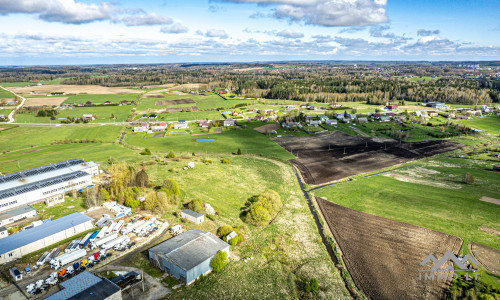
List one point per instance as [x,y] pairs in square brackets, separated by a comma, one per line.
[11,115]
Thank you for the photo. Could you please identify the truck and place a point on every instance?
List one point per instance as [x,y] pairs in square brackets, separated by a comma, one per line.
[110,228]
[52,280]
[101,232]
[119,226]
[103,220]
[85,240]
[70,246]
[175,230]
[131,226]
[67,258]
[94,235]
[98,242]
[61,273]
[116,241]
[84,262]
[14,272]
[41,261]
[143,227]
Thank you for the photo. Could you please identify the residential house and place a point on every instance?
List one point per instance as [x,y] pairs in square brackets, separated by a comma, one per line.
[145,125]
[229,122]
[385,119]
[417,113]
[139,129]
[181,125]
[323,119]
[333,105]
[362,120]
[88,117]
[432,113]
[107,102]
[257,118]
[124,102]
[88,103]
[306,106]
[331,122]
[391,114]
[153,116]
[314,123]
[437,105]
[392,107]
[290,107]
[204,124]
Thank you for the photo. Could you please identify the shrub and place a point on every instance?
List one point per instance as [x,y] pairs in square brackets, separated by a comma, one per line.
[263,208]
[207,161]
[146,151]
[225,161]
[132,203]
[135,190]
[224,230]
[103,193]
[314,285]
[258,216]
[219,261]
[468,178]
[171,154]
[196,205]
[141,179]
[172,186]
[239,151]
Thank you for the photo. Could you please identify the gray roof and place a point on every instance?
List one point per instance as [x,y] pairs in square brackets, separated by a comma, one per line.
[41,184]
[3,228]
[85,286]
[16,211]
[31,235]
[192,213]
[190,248]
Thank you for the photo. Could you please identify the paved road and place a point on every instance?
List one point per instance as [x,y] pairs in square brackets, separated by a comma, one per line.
[11,115]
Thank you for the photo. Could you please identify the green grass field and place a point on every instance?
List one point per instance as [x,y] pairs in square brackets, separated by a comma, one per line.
[24,83]
[98,99]
[188,116]
[15,137]
[5,94]
[249,140]
[489,124]
[103,114]
[202,102]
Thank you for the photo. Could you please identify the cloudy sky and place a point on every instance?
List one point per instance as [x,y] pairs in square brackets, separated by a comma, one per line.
[45,32]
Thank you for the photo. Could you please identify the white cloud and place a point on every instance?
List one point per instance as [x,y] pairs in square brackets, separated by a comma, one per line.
[176,28]
[327,12]
[423,32]
[219,33]
[63,11]
[144,20]
[290,34]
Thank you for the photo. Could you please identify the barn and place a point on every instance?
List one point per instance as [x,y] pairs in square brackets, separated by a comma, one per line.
[187,255]
[17,245]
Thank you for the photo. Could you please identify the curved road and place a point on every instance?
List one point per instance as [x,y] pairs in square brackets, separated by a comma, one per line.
[11,115]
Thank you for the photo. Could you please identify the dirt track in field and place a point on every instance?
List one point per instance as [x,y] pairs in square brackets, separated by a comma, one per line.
[335,155]
[383,256]
[72,89]
[490,200]
[175,102]
[44,101]
[267,127]
[487,256]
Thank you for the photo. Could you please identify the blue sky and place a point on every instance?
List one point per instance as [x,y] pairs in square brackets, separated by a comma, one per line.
[45,32]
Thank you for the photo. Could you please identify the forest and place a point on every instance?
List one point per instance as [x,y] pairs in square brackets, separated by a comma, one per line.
[453,83]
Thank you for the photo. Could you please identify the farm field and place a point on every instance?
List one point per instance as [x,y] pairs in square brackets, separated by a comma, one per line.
[187,116]
[102,114]
[99,99]
[27,137]
[278,249]
[5,94]
[249,140]
[383,256]
[68,89]
[5,111]
[335,155]
[489,124]
[34,83]
[49,101]
[208,101]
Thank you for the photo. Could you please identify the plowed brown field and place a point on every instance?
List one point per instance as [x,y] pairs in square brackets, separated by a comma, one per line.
[383,256]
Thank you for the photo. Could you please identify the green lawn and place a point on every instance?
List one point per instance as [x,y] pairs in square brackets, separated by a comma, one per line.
[249,140]
[17,137]
[489,124]
[203,102]
[97,99]
[103,114]
[188,116]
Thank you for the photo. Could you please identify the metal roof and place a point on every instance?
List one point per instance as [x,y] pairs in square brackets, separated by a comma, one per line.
[40,170]
[41,184]
[16,211]
[190,248]
[34,234]
[85,286]
[192,213]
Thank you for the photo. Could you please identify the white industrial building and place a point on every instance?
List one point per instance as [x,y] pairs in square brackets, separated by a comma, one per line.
[17,245]
[17,214]
[48,183]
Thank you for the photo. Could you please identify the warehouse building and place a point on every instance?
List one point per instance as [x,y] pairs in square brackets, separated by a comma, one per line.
[27,241]
[192,216]
[187,255]
[87,286]
[48,183]
[17,214]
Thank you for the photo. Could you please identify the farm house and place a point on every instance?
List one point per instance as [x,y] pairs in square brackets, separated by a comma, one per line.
[192,216]
[187,255]
[33,239]
[47,183]
[17,214]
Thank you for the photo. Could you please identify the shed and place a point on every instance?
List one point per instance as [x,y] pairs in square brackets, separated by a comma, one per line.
[231,236]
[192,216]
[3,232]
[87,286]
[187,255]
